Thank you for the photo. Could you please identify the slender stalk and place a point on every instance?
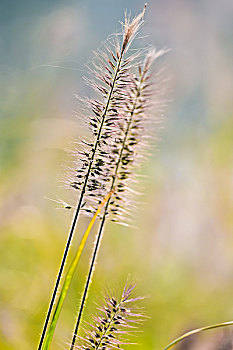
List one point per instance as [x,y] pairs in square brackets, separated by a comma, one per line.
[64,257]
[69,276]
[195,331]
[88,280]
[103,221]
[70,236]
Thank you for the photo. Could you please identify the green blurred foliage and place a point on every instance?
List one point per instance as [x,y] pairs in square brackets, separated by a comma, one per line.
[180,251]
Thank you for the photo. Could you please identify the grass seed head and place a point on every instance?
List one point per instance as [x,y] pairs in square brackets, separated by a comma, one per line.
[111,78]
[117,318]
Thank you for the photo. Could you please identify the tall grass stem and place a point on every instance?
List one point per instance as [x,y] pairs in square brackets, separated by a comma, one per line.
[59,276]
[69,276]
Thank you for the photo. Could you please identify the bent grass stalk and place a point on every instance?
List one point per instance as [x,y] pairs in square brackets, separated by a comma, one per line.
[196,331]
[64,257]
[129,123]
[69,276]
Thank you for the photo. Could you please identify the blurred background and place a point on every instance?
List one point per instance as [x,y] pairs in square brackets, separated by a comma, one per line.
[181,253]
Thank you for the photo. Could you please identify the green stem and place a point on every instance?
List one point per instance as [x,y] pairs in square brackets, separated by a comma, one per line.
[69,276]
[195,331]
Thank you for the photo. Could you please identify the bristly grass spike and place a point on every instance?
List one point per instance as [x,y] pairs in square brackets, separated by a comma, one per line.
[118,317]
[110,80]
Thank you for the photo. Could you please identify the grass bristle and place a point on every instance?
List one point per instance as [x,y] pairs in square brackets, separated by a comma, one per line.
[117,318]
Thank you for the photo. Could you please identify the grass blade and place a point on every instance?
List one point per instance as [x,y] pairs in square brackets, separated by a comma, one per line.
[195,331]
[69,277]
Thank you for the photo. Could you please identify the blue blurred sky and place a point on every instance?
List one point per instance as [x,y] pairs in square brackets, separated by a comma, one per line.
[63,33]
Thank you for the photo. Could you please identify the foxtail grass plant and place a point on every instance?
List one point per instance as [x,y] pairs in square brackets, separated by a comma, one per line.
[105,116]
[120,118]
[117,318]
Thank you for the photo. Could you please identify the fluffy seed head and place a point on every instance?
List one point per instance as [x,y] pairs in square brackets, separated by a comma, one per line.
[131,27]
[110,77]
[118,316]
[142,112]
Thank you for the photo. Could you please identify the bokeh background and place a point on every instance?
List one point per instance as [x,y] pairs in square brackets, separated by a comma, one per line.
[181,253]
